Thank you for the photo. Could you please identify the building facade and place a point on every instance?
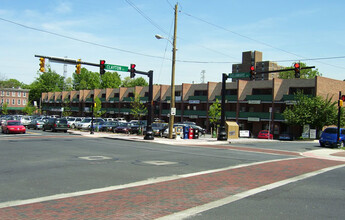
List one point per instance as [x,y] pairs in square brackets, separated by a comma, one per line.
[254,105]
[15,98]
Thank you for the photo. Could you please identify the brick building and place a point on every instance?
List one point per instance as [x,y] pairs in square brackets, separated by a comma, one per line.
[16,99]
[254,105]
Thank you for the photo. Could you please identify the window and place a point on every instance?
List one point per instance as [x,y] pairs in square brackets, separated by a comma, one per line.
[19,93]
[8,101]
[2,101]
[305,90]
[24,101]
[231,92]
[262,92]
[13,94]
[24,94]
[13,102]
[2,93]
[8,93]
[200,93]
[18,102]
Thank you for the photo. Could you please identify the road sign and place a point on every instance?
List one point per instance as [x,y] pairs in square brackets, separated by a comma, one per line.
[115,67]
[239,75]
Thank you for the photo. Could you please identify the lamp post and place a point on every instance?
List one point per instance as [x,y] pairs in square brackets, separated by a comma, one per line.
[172,101]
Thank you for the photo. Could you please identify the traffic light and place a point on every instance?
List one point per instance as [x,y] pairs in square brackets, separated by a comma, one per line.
[341,101]
[132,70]
[101,67]
[78,67]
[297,70]
[42,65]
[252,72]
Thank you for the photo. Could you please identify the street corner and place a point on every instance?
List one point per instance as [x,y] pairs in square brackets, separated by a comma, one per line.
[328,154]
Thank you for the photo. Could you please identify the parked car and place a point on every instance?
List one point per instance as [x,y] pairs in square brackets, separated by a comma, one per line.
[13,126]
[265,134]
[98,125]
[86,123]
[109,126]
[72,122]
[25,120]
[36,124]
[123,127]
[329,137]
[285,137]
[56,124]
[157,128]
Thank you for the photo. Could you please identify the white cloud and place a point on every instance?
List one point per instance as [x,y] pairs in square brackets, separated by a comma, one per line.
[63,8]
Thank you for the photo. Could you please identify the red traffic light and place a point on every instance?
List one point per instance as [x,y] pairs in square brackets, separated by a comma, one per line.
[133,66]
[297,65]
[343,97]
[102,62]
[252,68]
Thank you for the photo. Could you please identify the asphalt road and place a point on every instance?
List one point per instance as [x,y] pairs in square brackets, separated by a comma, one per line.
[40,164]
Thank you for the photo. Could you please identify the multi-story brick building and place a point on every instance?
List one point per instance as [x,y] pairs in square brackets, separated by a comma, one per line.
[254,105]
[16,99]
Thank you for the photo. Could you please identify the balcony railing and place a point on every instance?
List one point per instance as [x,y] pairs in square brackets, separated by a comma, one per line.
[259,97]
[227,97]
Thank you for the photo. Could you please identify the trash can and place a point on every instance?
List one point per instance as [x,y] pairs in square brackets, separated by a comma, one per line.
[185,132]
[196,134]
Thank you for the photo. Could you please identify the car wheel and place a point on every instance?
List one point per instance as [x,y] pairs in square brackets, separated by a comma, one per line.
[65,131]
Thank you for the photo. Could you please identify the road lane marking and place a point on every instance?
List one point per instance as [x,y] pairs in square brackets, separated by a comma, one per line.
[124,186]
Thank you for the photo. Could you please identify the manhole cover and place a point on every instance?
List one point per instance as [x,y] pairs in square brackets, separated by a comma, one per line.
[95,158]
[159,162]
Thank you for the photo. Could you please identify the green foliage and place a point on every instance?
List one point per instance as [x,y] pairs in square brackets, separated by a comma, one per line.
[97,110]
[132,82]
[214,113]
[11,83]
[111,80]
[4,109]
[29,109]
[48,81]
[86,80]
[67,111]
[306,73]
[315,111]
[137,108]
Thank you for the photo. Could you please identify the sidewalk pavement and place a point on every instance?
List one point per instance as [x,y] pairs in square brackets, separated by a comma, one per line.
[324,153]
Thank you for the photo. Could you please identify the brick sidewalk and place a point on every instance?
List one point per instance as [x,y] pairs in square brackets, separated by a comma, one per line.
[157,200]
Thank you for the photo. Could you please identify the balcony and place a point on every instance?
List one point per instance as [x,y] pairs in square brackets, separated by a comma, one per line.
[198,97]
[114,99]
[227,98]
[128,99]
[194,112]
[260,97]
[88,100]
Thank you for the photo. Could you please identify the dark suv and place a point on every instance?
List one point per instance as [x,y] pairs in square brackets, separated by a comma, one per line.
[56,124]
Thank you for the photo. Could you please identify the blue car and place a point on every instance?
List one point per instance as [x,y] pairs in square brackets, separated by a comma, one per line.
[329,137]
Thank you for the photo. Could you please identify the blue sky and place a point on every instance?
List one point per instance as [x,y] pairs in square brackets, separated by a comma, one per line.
[212,33]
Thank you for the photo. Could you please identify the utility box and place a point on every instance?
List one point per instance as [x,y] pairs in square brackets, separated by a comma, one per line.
[232,129]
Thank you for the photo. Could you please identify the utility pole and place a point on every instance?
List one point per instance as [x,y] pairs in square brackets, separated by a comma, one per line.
[172,101]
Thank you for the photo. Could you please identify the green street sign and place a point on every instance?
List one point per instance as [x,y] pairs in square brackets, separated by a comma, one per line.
[239,75]
[115,67]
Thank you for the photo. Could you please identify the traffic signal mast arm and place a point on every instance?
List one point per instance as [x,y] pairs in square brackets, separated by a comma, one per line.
[67,61]
[285,70]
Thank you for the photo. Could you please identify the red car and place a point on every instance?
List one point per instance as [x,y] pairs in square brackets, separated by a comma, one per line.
[265,134]
[13,126]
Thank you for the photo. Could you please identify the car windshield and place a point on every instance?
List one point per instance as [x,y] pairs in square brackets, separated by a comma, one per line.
[62,121]
[71,119]
[14,123]
[330,130]
[86,120]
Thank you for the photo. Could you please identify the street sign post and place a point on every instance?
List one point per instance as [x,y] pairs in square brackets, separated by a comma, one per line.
[115,67]
[239,75]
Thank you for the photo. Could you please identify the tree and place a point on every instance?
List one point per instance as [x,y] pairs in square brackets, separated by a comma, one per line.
[315,111]
[306,73]
[214,113]
[11,83]
[129,82]
[137,108]
[97,109]
[67,111]
[111,80]
[4,108]
[86,80]
[29,109]
[48,81]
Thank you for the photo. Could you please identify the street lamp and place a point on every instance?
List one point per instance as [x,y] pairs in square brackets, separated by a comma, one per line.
[172,101]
